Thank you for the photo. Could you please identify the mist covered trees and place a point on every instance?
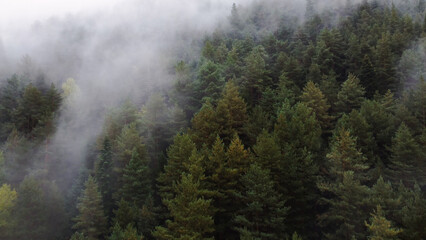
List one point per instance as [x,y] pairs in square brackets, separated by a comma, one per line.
[312,130]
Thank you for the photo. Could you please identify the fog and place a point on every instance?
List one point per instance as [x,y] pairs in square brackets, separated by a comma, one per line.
[115,50]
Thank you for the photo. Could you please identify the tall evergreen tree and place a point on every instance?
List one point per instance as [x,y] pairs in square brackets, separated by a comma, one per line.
[263,214]
[380,228]
[406,158]
[91,220]
[191,213]
[104,173]
[315,99]
[350,96]
[136,180]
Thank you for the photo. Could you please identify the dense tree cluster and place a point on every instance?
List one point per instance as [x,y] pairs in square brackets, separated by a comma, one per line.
[307,132]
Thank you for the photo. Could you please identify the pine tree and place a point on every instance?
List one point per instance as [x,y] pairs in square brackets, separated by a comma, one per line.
[29,112]
[128,140]
[367,76]
[178,155]
[129,233]
[104,173]
[344,156]
[297,132]
[315,99]
[205,127]
[268,154]
[347,213]
[405,158]
[358,127]
[91,220]
[380,228]
[191,213]
[389,200]
[231,109]
[136,180]
[414,214]
[350,96]
[29,215]
[78,236]
[384,67]
[255,77]
[264,212]
[210,82]
[125,214]
[7,202]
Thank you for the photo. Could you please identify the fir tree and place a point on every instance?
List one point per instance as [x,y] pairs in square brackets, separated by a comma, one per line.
[350,96]
[264,212]
[91,220]
[315,99]
[190,211]
[104,173]
[347,212]
[178,155]
[405,157]
[380,228]
[344,156]
[136,180]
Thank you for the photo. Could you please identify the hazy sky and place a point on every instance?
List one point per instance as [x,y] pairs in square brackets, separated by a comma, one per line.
[27,11]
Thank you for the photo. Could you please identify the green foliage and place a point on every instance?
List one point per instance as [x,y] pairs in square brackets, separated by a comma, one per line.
[313,97]
[104,173]
[347,212]
[136,180]
[406,157]
[190,212]
[91,220]
[380,228]
[7,202]
[344,156]
[350,96]
[178,155]
[264,212]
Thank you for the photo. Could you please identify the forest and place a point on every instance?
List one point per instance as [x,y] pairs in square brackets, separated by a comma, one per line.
[280,127]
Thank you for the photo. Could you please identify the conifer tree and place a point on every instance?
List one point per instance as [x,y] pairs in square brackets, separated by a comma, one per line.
[7,202]
[210,82]
[104,173]
[125,214]
[136,180]
[91,220]
[264,212]
[358,127]
[268,154]
[191,213]
[205,127]
[231,112]
[414,214]
[380,228]
[367,76]
[178,155]
[128,140]
[29,214]
[384,67]
[315,99]
[405,157]
[389,200]
[29,112]
[344,156]
[255,77]
[350,96]
[298,134]
[347,212]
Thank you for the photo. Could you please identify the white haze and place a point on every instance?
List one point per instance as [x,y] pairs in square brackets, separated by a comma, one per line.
[114,49]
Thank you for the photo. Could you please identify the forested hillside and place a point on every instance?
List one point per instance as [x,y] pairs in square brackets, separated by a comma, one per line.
[281,127]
